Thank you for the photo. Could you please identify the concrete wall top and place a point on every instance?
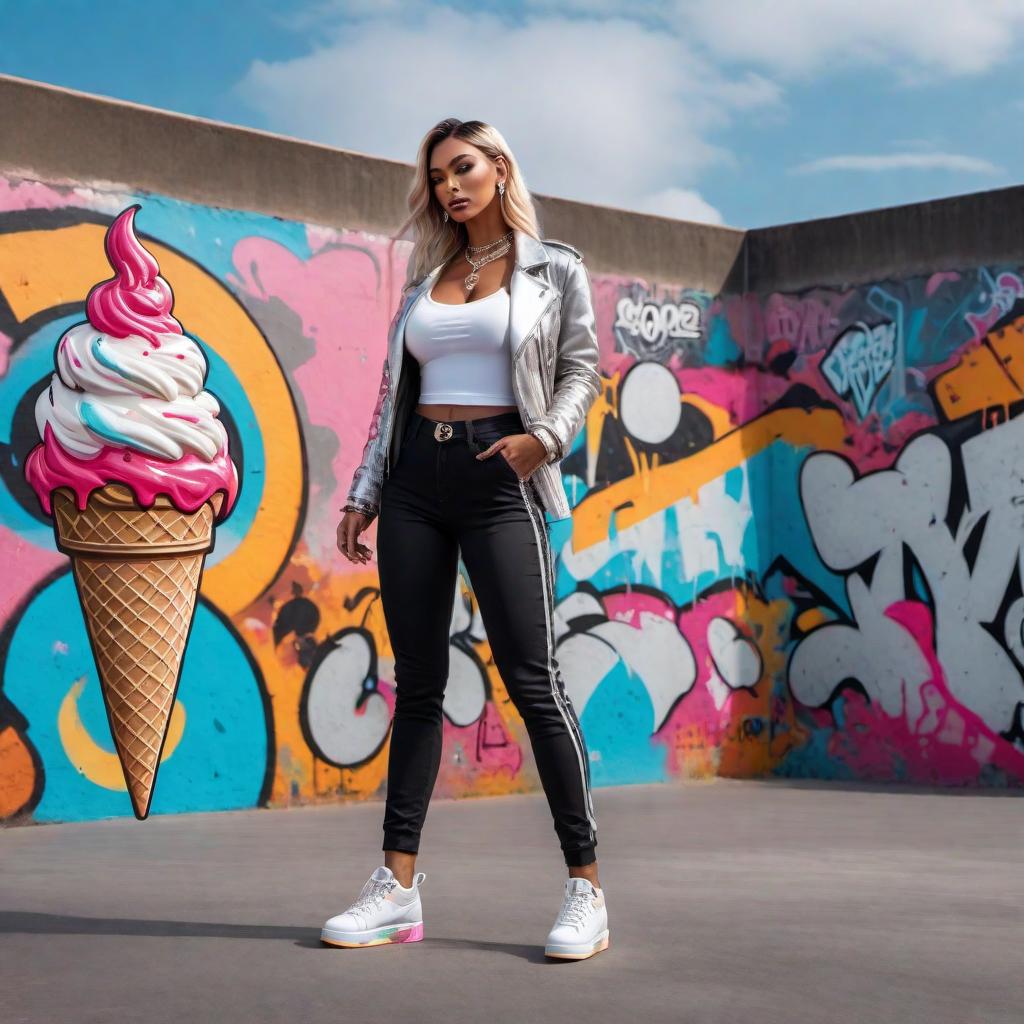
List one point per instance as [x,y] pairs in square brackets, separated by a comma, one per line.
[62,134]
[895,242]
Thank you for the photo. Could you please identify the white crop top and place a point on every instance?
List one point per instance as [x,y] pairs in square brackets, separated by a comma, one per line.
[463,350]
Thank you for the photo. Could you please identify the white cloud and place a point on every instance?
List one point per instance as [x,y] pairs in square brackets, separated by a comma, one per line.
[612,103]
[916,39]
[603,110]
[680,203]
[899,161]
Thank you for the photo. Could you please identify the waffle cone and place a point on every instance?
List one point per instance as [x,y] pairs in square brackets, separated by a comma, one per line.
[137,571]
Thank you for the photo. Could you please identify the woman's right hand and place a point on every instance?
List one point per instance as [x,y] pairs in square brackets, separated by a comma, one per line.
[352,524]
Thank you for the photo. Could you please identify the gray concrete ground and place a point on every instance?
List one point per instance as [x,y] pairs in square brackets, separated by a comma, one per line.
[770,901]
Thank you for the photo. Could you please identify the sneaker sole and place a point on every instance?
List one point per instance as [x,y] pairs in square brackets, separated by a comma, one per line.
[375,937]
[577,952]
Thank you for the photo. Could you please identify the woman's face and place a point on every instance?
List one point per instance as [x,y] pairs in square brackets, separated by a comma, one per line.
[458,170]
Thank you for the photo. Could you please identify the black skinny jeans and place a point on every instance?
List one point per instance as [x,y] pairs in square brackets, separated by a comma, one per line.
[438,501]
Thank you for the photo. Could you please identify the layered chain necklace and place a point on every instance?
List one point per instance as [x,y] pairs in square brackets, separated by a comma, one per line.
[479,255]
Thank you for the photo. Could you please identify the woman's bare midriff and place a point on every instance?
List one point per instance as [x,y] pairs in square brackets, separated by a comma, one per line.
[447,413]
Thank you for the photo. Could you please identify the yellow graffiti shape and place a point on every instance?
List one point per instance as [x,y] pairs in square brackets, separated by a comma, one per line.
[986,377]
[99,766]
[652,490]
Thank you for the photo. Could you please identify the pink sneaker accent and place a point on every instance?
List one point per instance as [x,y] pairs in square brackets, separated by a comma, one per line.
[382,913]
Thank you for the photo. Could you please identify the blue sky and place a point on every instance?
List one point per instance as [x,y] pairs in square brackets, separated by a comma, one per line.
[743,112]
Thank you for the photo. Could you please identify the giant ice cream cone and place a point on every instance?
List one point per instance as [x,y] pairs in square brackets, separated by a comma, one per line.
[134,469]
[137,572]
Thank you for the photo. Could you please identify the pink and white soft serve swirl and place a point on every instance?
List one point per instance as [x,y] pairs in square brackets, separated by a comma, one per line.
[127,404]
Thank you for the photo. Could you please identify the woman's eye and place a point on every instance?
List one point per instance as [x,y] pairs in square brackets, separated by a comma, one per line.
[460,168]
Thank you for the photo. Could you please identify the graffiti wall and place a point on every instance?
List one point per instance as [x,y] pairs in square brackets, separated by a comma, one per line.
[795,545]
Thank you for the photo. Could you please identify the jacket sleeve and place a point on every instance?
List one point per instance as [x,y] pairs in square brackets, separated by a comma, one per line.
[364,492]
[577,382]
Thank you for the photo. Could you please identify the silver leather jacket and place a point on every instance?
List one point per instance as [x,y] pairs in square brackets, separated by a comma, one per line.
[555,377]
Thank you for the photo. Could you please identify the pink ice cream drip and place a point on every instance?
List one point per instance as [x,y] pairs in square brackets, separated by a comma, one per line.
[137,300]
[188,482]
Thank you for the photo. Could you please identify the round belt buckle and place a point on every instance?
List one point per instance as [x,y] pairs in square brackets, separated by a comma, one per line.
[443,431]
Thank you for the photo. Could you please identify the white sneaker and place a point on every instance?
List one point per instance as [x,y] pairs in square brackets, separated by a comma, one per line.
[581,929]
[383,912]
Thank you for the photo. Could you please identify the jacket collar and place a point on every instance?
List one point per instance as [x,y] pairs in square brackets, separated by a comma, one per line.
[530,252]
[529,294]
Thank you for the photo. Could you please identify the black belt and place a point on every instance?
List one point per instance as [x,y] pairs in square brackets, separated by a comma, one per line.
[446,430]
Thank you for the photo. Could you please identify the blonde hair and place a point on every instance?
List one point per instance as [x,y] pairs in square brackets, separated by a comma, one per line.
[436,241]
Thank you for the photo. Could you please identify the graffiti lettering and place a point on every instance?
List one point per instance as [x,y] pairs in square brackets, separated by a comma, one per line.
[962,571]
[648,329]
[859,362]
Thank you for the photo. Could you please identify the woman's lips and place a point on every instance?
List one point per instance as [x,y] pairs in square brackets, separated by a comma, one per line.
[458,204]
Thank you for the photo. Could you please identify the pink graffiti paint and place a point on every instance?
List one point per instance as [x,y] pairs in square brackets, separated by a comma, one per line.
[937,280]
[34,565]
[869,443]
[806,323]
[188,482]
[496,750]
[710,717]
[729,390]
[34,195]
[5,352]
[136,300]
[1008,289]
[871,447]
[946,744]
[341,303]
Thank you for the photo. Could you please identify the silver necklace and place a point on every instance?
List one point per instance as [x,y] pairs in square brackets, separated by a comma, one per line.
[491,251]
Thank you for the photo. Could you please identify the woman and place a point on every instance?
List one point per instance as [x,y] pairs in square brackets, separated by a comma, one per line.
[493,356]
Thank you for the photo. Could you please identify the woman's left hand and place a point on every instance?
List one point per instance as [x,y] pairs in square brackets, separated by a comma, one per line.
[523,452]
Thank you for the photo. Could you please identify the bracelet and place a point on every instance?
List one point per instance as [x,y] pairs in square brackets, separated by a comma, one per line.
[550,446]
[364,509]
